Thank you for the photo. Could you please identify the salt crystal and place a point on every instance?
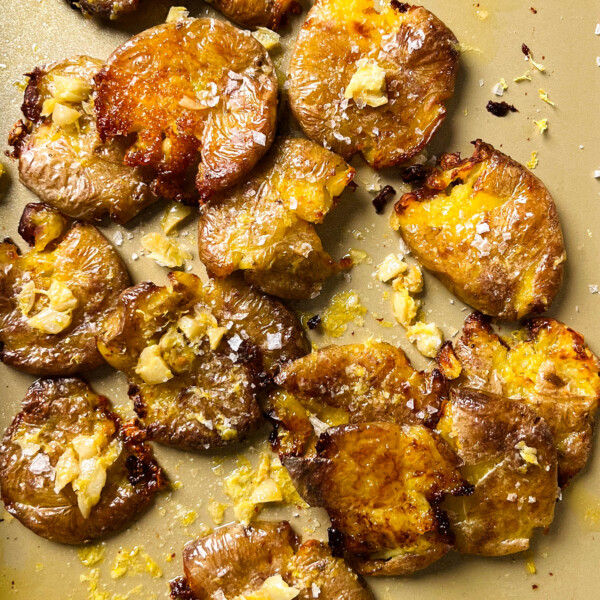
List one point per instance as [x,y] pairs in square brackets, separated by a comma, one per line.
[593,289]
[40,464]
[274,341]
[512,497]
[118,238]
[482,228]
[259,138]
[235,342]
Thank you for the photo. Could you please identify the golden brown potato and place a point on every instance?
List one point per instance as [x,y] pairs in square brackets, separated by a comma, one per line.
[197,96]
[69,471]
[257,13]
[508,455]
[357,383]
[265,225]
[193,357]
[488,229]
[372,81]
[53,299]
[547,365]
[61,157]
[381,484]
[249,562]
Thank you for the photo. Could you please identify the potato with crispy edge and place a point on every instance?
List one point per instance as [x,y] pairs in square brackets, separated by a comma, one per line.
[547,365]
[257,13]
[53,299]
[236,562]
[488,229]
[264,226]
[347,45]
[198,96]
[61,157]
[356,383]
[381,484]
[105,9]
[69,470]
[508,455]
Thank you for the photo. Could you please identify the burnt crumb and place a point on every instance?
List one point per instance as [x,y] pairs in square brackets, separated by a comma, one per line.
[337,542]
[314,322]
[525,49]
[500,109]
[384,196]
[533,10]
[414,174]
[534,586]
[352,186]
[400,6]
[138,471]
[180,590]
[443,522]
[346,262]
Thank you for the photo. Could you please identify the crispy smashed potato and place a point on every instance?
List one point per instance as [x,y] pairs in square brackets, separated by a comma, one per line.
[198,96]
[357,383]
[53,299]
[69,471]
[257,13]
[265,225]
[547,365]
[369,81]
[61,157]
[508,455]
[194,358]
[105,9]
[488,229]
[256,561]
[381,484]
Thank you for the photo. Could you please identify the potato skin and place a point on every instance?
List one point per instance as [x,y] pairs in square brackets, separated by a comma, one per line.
[257,13]
[511,497]
[420,57]
[105,9]
[79,256]
[140,89]
[72,169]
[515,266]
[547,366]
[65,408]
[264,226]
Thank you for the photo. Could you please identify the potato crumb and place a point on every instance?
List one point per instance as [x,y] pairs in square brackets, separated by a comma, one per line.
[129,561]
[390,268]
[269,39]
[91,555]
[344,308]
[528,454]
[428,338]
[405,307]
[166,252]
[358,256]
[367,86]
[217,512]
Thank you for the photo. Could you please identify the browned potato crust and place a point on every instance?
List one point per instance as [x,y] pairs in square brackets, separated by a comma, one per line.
[53,414]
[508,455]
[265,225]
[488,229]
[257,13]
[357,383]
[380,484]
[547,365]
[419,55]
[69,167]
[75,257]
[235,561]
[106,9]
[198,96]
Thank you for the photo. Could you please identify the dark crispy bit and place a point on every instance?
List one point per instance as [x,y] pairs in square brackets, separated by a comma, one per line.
[106,9]
[547,366]
[198,97]
[265,225]
[237,561]
[68,166]
[419,55]
[488,228]
[500,109]
[385,195]
[257,13]
[53,299]
[314,322]
[64,465]
[508,455]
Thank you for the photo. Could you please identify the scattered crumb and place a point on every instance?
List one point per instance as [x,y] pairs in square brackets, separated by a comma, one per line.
[542,125]
[533,162]
[344,308]
[524,77]
[544,96]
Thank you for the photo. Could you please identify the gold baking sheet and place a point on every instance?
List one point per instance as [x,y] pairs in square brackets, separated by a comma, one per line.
[561,36]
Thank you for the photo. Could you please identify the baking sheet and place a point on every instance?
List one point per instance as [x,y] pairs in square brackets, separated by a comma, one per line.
[561,37]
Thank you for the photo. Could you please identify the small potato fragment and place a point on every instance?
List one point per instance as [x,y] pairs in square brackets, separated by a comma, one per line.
[508,455]
[372,80]
[192,96]
[53,299]
[69,471]
[67,165]
[105,9]
[265,225]
[381,484]
[357,383]
[488,229]
[255,561]
[257,13]
[547,366]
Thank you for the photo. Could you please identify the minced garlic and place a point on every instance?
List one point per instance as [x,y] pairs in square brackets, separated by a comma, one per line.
[367,85]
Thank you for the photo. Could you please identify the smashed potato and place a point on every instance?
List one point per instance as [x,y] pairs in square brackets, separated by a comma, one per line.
[193,357]
[53,299]
[488,229]
[61,157]
[257,13]
[194,96]
[372,80]
[69,471]
[256,561]
[508,455]
[265,225]
[547,365]
[381,484]
[357,383]
[105,9]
